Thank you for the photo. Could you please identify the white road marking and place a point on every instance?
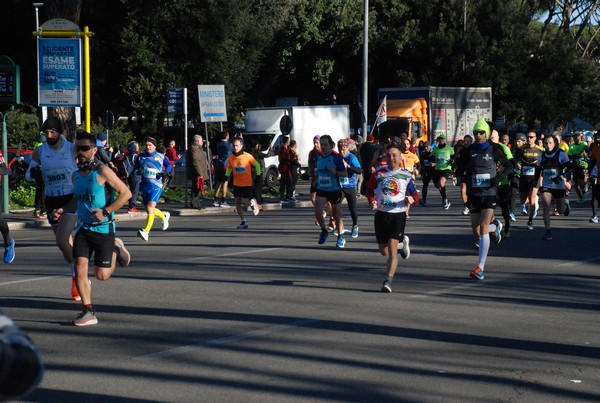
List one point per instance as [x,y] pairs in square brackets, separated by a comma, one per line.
[579,262]
[234,254]
[29,279]
[447,290]
[226,340]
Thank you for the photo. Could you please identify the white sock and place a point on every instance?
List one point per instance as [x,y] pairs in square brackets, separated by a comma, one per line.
[484,247]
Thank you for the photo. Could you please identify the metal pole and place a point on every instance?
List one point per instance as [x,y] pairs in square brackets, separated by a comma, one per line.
[365,68]
[208,155]
[185,148]
[5,177]
[86,61]
[37,15]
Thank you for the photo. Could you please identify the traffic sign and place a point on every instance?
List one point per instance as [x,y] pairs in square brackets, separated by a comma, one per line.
[175,101]
[10,82]
[213,107]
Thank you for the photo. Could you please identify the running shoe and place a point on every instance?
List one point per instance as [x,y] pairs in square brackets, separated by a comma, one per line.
[123,256]
[243,225]
[447,204]
[477,273]
[331,226]
[535,213]
[133,210]
[476,244]
[165,221]
[405,250]
[466,211]
[498,233]
[355,231]
[323,237]
[335,232]
[85,318]
[292,200]
[9,251]
[341,242]
[255,206]
[529,225]
[386,287]
[224,204]
[567,208]
[506,232]
[422,202]
[143,234]
[216,203]
[512,216]
[524,210]
[555,212]
[74,293]
[548,235]
[594,220]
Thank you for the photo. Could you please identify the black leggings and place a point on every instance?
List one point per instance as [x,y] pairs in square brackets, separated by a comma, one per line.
[4,229]
[350,195]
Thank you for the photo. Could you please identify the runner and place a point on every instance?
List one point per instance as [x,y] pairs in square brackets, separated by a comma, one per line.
[9,242]
[482,174]
[150,165]
[427,169]
[504,189]
[577,154]
[240,163]
[594,180]
[443,155]
[329,168]
[389,190]
[409,162]
[348,183]
[95,233]
[463,153]
[56,158]
[528,160]
[554,165]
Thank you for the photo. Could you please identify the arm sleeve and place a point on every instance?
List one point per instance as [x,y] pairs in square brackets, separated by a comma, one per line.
[32,165]
[500,157]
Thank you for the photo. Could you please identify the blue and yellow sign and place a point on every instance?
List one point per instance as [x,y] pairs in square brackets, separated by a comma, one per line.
[59,72]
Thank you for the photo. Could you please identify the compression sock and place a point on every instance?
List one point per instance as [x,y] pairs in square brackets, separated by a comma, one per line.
[484,246]
[149,222]
[443,193]
[159,214]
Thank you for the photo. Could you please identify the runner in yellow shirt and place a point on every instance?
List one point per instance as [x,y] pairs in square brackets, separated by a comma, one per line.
[240,164]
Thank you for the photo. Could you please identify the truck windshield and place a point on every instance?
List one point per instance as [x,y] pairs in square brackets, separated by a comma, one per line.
[393,127]
[263,138]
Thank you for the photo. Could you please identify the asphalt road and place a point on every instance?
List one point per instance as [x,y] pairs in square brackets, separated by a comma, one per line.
[209,313]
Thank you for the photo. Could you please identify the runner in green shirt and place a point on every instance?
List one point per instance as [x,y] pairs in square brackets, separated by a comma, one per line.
[443,155]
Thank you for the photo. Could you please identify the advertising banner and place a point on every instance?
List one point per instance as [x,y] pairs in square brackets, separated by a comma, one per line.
[59,72]
[212,103]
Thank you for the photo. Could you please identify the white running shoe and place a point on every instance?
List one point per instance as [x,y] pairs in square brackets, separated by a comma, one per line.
[165,221]
[405,251]
[143,234]
[466,211]
[255,206]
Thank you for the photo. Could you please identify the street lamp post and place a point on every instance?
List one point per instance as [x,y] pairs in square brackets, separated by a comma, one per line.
[37,15]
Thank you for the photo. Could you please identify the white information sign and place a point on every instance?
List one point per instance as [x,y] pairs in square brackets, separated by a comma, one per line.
[212,103]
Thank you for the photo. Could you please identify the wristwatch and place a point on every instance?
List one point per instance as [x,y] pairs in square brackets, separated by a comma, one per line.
[105,212]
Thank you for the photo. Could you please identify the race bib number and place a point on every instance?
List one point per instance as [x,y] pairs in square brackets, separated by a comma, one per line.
[481,181]
[57,177]
[529,171]
[324,182]
[150,173]
[240,169]
[440,160]
[549,174]
[344,180]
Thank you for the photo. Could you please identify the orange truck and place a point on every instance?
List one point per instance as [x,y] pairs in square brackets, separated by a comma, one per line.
[427,112]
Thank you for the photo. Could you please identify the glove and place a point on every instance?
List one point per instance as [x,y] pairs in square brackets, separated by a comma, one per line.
[557,179]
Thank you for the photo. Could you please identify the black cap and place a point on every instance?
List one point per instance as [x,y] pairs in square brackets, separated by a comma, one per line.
[52,123]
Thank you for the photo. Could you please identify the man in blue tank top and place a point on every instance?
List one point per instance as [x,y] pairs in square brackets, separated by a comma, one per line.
[93,185]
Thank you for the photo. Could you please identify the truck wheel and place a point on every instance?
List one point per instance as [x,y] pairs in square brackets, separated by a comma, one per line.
[271,178]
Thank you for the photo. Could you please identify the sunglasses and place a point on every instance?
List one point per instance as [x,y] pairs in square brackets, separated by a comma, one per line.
[530,137]
[83,148]
[480,132]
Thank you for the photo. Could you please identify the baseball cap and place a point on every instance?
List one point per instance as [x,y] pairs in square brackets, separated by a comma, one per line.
[521,136]
[442,136]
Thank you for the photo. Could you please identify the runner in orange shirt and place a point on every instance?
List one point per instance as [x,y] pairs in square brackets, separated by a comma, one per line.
[409,162]
[240,163]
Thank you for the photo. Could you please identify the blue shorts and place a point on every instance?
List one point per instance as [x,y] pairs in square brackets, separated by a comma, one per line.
[151,195]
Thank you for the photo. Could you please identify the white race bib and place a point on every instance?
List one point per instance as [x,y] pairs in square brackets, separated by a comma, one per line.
[324,182]
[150,173]
[56,177]
[481,181]
[528,171]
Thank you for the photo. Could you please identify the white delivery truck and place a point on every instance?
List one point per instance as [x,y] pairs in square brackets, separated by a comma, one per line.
[263,125]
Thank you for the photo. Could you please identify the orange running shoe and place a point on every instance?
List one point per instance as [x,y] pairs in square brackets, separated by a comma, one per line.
[477,274]
[74,292]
